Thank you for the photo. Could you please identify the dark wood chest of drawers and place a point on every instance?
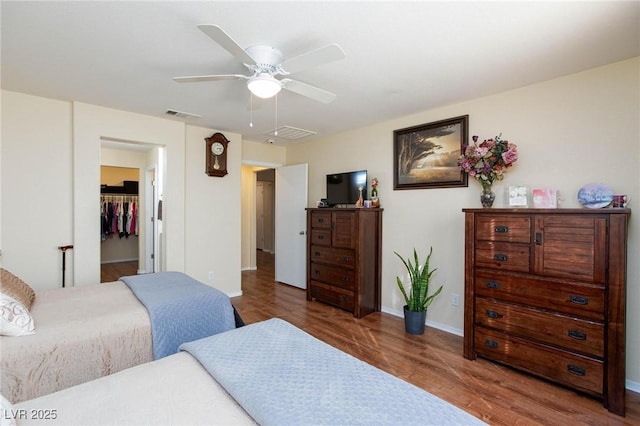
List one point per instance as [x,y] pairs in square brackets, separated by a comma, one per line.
[343,258]
[545,293]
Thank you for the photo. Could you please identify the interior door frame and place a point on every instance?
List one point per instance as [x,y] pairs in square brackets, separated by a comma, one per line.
[252,211]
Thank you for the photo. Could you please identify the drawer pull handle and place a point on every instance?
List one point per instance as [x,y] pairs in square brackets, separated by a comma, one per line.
[502,229]
[346,259]
[493,284]
[320,220]
[317,253]
[500,257]
[316,272]
[538,238]
[321,237]
[491,344]
[574,369]
[578,335]
[579,300]
[493,314]
[345,279]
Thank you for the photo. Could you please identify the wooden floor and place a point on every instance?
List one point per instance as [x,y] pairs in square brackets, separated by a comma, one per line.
[496,394]
[113,271]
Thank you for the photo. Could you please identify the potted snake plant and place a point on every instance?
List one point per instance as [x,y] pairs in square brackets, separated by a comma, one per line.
[417,298]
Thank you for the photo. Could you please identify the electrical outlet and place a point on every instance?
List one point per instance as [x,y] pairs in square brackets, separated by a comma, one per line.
[210,276]
[455,299]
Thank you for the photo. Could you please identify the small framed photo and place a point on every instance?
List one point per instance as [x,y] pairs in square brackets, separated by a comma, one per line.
[545,198]
[518,196]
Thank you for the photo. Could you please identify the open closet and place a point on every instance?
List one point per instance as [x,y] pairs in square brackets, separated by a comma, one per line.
[119,220]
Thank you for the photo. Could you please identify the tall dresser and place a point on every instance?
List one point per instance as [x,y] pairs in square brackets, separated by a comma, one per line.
[344,252]
[545,293]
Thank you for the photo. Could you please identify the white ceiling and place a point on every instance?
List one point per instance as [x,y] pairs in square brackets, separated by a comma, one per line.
[401,57]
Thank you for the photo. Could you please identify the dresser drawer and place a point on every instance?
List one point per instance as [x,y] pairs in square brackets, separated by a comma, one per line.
[585,301]
[573,334]
[341,277]
[506,256]
[514,229]
[321,220]
[321,237]
[333,296]
[340,257]
[577,371]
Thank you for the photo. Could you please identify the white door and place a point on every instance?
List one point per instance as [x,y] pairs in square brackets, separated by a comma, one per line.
[291,225]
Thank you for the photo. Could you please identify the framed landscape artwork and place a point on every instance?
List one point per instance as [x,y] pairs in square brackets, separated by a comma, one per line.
[426,156]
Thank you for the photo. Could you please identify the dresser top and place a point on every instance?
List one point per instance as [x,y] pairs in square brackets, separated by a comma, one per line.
[549,211]
[347,209]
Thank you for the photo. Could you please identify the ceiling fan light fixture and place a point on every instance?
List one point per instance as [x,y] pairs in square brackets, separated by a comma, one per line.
[264,85]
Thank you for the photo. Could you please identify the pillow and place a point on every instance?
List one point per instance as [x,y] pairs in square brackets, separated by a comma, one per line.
[7,412]
[15,319]
[16,288]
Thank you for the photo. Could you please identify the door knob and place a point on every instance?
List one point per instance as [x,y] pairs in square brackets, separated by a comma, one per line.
[301,232]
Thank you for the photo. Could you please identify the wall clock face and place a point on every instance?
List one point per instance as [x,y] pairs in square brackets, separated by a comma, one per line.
[217,148]
[216,155]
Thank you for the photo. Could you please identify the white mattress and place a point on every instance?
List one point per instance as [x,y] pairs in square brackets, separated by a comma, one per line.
[82,333]
[175,390]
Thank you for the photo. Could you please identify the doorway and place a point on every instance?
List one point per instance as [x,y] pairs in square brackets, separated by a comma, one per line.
[265,197]
[144,165]
[119,205]
[265,224]
[289,230]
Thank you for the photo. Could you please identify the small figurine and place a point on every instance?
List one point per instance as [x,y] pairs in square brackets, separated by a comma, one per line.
[375,202]
[360,201]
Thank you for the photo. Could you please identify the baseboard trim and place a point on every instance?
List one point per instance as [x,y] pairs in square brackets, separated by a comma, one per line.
[632,386]
[439,326]
[118,261]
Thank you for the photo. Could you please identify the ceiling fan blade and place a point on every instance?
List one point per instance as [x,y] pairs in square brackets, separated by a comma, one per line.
[307,90]
[198,78]
[219,36]
[313,58]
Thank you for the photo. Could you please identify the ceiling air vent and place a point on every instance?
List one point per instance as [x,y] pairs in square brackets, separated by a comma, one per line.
[181,114]
[291,133]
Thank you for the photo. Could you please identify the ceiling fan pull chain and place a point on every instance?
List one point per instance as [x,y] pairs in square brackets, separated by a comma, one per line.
[250,109]
[276,131]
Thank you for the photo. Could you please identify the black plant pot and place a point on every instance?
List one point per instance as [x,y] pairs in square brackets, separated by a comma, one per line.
[414,321]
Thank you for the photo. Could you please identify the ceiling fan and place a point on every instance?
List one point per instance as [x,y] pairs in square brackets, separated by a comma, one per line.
[265,63]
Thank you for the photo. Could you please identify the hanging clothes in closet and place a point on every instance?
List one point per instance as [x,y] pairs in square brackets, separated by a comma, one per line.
[118,216]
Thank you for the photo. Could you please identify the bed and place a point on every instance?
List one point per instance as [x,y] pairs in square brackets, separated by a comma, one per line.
[77,334]
[268,372]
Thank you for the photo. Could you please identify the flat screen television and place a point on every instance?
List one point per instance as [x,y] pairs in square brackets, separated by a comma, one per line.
[342,188]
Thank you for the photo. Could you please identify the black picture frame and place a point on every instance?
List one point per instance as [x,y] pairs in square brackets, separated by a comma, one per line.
[426,156]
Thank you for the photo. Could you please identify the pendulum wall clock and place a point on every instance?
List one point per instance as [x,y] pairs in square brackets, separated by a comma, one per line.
[216,155]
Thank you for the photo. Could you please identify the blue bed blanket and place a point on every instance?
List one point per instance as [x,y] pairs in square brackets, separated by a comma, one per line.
[181,309]
[283,376]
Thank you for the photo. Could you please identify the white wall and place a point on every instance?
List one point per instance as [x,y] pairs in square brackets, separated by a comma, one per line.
[570,131]
[93,123]
[212,226]
[36,188]
[51,186]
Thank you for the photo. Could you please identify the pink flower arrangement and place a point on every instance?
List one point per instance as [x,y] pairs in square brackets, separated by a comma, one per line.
[488,160]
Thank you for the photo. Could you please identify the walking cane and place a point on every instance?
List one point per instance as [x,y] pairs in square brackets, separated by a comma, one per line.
[64,261]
